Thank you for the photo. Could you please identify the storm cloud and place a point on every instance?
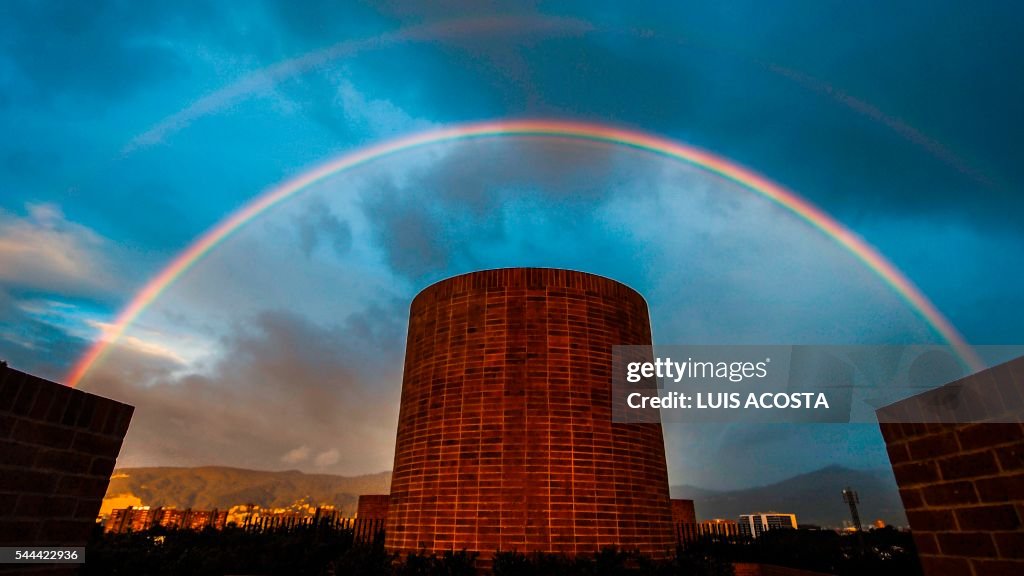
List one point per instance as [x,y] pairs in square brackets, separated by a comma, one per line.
[285,393]
[282,347]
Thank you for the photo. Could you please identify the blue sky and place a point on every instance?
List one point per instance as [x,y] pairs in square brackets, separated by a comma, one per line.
[130,129]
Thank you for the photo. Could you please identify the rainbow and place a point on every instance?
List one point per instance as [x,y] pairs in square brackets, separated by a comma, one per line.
[270,76]
[583,131]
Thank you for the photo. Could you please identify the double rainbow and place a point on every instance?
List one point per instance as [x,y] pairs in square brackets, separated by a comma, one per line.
[583,131]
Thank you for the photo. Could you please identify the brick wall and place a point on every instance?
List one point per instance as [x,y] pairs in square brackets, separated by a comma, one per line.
[963,484]
[373,506]
[505,433]
[683,512]
[58,447]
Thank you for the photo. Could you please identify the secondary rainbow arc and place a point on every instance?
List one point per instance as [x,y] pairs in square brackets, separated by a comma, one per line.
[551,128]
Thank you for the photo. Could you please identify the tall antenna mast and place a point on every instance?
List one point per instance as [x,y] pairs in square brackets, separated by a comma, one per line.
[852,499]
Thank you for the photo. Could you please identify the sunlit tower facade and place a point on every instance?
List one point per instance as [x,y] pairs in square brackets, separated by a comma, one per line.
[505,435]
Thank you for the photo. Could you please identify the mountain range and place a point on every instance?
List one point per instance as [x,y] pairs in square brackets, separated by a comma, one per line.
[815,497]
[220,487]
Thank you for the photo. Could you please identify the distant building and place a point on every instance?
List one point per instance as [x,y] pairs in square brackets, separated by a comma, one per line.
[371,515]
[298,514]
[171,518]
[718,522]
[754,525]
[142,518]
[373,506]
[682,511]
[199,519]
[131,519]
[718,527]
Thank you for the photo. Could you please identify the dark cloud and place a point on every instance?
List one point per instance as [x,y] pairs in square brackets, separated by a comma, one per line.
[440,218]
[456,68]
[322,21]
[448,8]
[318,225]
[738,107]
[412,238]
[709,75]
[100,49]
[884,127]
[283,388]
[714,75]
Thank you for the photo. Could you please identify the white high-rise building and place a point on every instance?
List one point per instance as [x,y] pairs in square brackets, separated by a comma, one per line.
[760,522]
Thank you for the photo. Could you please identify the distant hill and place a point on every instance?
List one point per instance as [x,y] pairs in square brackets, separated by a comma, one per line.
[815,497]
[219,487]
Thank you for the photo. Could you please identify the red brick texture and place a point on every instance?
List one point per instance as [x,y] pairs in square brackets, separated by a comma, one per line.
[963,487]
[58,447]
[683,512]
[373,506]
[505,434]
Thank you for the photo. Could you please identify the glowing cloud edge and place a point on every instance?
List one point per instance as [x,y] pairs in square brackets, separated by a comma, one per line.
[533,127]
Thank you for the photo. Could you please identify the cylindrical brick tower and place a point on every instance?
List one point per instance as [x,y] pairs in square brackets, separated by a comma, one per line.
[505,434]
